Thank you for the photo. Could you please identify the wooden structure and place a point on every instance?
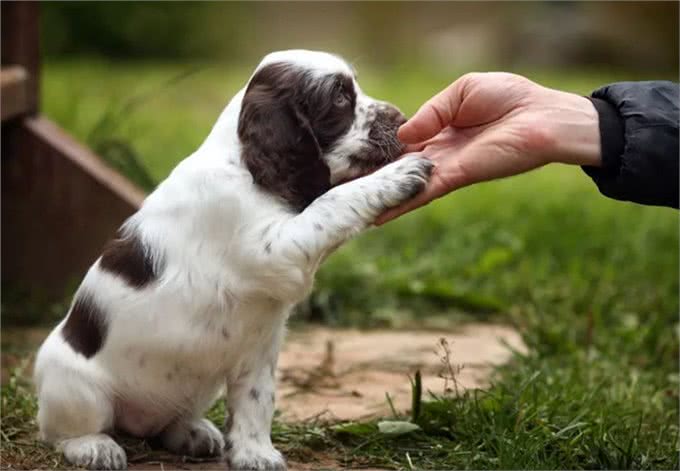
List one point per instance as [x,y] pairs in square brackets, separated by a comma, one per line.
[60,202]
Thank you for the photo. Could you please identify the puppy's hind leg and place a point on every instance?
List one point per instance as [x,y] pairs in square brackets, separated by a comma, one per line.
[73,414]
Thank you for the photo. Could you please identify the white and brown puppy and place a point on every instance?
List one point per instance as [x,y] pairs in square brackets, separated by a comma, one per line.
[195,291]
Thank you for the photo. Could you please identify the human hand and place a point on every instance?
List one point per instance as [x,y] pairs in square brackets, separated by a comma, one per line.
[492,125]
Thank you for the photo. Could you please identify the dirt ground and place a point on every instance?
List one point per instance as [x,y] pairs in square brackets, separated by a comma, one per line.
[347,374]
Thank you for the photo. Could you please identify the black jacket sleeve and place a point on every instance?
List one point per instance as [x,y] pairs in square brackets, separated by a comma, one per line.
[639,138]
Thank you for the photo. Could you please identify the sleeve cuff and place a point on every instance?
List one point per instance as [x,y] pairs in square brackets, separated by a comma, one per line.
[612,139]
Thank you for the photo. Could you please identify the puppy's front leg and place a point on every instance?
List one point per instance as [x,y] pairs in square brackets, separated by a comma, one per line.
[250,408]
[348,209]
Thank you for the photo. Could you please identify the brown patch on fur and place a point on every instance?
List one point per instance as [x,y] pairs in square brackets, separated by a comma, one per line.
[85,328]
[288,120]
[126,257]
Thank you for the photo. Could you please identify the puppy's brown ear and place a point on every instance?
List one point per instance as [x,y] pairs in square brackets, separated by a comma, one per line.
[279,147]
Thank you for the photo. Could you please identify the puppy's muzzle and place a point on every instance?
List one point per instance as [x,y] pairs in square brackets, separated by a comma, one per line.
[383,133]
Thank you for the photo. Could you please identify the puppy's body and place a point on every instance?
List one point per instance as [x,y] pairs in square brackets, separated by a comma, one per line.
[195,291]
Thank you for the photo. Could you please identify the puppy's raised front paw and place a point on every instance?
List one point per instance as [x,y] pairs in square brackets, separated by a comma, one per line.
[193,438]
[255,456]
[405,179]
[96,451]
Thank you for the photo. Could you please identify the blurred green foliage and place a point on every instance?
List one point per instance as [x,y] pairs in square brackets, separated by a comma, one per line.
[134,29]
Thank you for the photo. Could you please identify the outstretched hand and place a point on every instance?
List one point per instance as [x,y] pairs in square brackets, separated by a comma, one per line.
[492,125]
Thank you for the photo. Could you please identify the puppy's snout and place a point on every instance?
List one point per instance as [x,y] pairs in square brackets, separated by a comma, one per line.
[388,118]
[380,121]
[392,114]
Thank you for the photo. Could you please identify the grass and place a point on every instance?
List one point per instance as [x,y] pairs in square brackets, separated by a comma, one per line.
[592,284]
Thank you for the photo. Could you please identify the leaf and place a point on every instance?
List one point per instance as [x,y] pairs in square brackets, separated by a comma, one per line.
[397,427]
[354,429]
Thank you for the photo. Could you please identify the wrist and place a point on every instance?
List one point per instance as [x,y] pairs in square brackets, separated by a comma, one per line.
[576,131]
[612,133]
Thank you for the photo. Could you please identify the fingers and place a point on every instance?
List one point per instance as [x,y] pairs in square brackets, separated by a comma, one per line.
[420,200]
[433,116]
[414,148]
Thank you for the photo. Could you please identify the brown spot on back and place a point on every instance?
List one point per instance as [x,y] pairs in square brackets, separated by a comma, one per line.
[85,328]
[126,257]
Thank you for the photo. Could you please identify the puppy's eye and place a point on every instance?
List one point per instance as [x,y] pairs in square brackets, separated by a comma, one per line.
[341,99]
[341,96]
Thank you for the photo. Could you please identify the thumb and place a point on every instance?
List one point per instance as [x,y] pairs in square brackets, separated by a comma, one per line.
[436,114]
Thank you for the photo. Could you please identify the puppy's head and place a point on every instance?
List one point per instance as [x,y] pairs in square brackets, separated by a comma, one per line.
[305,125]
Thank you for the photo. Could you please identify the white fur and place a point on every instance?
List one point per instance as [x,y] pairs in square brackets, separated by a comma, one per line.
[235,261]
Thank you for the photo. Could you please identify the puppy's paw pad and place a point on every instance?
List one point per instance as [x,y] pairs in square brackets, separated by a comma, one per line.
[97,451]
[198,438]
[408,178]
[255,457]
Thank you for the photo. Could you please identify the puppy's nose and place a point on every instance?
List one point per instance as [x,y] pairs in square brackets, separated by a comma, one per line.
[392,115]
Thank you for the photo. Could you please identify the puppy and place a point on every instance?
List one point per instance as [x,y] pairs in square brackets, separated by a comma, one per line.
[194,292]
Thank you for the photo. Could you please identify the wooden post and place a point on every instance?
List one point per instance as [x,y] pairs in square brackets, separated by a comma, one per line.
[21,44]
[60,201]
